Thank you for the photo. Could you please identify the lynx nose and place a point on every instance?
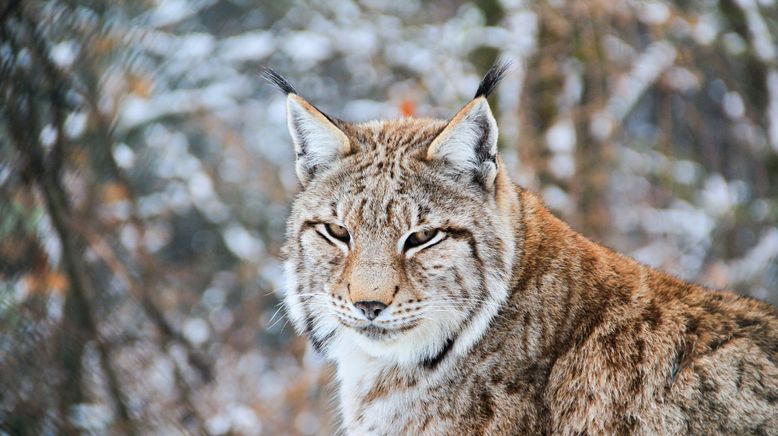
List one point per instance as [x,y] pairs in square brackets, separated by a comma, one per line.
[371,309]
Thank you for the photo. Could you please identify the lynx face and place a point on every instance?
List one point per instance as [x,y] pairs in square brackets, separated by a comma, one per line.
[397,243]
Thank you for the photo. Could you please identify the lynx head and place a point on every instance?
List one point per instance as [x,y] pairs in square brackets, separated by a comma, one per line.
[400,243]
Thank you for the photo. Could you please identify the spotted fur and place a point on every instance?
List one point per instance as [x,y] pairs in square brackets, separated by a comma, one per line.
[506,321]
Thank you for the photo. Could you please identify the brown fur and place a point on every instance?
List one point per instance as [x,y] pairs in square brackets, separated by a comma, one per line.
[621,348]
[587,341]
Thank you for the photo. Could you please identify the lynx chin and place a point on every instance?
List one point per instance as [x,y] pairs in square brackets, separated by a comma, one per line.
[451,301]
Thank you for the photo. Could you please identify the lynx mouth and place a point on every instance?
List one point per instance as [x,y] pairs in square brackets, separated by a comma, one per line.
[376,332]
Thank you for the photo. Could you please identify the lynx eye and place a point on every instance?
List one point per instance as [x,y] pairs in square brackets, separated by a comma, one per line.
[338,232]
[420,238]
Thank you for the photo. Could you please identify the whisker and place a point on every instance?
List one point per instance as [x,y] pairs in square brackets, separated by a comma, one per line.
[280,307]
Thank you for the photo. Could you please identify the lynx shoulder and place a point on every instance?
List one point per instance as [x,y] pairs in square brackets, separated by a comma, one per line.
[452,301]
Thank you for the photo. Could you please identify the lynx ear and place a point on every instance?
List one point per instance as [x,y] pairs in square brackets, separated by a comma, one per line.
[317,140]
[468,144]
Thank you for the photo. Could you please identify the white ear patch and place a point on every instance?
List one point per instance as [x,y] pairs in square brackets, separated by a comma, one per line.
[317,141]
[469,142]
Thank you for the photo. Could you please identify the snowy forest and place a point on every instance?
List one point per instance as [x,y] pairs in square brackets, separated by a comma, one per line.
[146,173]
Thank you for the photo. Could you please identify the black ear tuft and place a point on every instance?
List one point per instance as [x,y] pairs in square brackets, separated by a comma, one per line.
[493,78]
[277,80]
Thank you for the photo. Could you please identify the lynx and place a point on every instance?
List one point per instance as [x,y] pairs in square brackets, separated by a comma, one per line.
[451,301]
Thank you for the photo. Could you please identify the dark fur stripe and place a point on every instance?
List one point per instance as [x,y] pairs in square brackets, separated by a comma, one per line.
[432,362]
[317,343]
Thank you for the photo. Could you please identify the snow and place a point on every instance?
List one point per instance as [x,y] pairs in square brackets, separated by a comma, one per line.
[170,12]
[90,416]
[124,156]
[705,29]
[734,43]
[686,172]
[560,137]
[772,108]
[64,53]
[196,330]
[75,124]
[653,12]
[247,47]
[557,199]
[306,48]
[193,47]
[562,166]
[242,243]
[646,69]
[307,423]
[48,135]
[733,104]
[682,79]
[761,40]
[136,111]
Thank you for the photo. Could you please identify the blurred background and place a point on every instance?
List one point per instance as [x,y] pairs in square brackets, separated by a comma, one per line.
[146,174]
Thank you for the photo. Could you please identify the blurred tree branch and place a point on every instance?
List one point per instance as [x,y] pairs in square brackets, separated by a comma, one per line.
[79,323]
[43,169]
